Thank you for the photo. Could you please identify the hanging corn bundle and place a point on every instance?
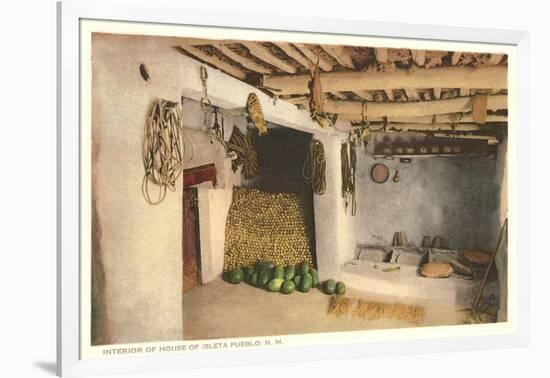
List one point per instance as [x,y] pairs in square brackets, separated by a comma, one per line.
[245,149]
[316,97]
[315,92]
[264,226]
[163,149]
[254,110]
[314,167]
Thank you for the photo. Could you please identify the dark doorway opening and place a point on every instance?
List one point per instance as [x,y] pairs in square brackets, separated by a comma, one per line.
[281,156]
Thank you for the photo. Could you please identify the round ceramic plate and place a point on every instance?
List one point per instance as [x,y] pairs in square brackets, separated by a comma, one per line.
[379,173]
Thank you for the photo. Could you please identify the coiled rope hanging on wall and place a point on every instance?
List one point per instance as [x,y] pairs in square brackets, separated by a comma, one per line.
[164,148]
[314,167]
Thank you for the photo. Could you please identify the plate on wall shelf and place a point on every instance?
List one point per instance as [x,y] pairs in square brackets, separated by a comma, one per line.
[379,173]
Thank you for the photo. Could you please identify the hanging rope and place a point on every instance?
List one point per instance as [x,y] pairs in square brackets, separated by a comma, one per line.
[315,166]
[215,132]
[348,174]
[163,148]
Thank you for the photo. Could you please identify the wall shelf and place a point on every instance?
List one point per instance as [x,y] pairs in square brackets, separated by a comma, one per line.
[392,157]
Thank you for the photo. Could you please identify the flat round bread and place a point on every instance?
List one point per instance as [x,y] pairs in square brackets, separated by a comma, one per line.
[477,257]
[436,270]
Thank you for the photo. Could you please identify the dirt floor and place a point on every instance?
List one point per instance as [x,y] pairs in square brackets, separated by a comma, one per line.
[222,310]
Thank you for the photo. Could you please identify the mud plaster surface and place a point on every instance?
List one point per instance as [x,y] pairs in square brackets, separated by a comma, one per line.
[223,310]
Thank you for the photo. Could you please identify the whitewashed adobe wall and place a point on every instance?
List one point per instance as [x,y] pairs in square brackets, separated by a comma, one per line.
[140,243]
[334,227]
[457,198]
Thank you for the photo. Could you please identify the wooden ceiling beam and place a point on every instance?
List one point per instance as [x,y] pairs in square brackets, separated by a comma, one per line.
[324,64]
[267,56]
[495,59]
[412,109]
[456,58]
[433,126]
[494,77]
[339,95]
[243,61]
[212,60]
[444,130]
[364,95]
[439,118]
[412,94]
[419,57]
[339,54]
[489,138]
[292,52]
[381,55]
[441,129]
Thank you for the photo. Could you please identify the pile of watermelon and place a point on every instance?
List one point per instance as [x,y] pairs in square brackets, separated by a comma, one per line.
[278,279]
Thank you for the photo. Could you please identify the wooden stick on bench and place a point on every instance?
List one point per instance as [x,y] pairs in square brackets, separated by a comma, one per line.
[484,282]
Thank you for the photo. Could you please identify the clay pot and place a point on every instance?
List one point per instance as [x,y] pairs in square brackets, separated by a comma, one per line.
[409,150]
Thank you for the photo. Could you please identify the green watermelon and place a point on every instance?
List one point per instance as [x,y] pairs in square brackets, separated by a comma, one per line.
[236,276]
[297,280]
[254,279]
[306,283]
[330,287]
[340,288]
[279,272]
[289,272]
[248,270]
[275,285]
[315,277]
[288,287]
[225,276]
[303,268]
[264,264]
[264,277]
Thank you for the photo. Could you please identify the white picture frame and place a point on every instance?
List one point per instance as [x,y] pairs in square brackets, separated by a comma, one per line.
[70,13]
